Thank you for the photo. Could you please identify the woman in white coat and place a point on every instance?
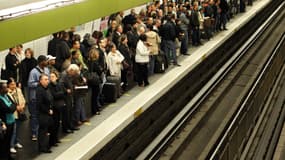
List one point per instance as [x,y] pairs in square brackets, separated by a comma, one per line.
[142,60]
[114,61]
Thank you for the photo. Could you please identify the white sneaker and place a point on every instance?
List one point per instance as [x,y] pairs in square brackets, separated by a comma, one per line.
[13,150]
[18,145]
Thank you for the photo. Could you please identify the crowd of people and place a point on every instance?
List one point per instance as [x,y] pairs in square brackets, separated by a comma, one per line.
[54,87]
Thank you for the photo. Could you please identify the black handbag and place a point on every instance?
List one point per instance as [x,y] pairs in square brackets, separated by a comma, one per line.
[92,78]
[59,104]
[125,64]
[22,116]
[3,74]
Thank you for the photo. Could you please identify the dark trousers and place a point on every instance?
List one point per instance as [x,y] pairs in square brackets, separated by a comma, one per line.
[55,127]
[195,35]
[184,43]
[223,20]
[124,78]
[5,143]
[94,97]
[67,113]
[249,2]
[142,73]
[45,124]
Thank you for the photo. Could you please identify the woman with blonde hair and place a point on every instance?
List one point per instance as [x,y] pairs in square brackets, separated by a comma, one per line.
[94,67]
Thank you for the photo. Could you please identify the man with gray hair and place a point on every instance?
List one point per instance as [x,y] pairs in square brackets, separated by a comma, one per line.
[66,79]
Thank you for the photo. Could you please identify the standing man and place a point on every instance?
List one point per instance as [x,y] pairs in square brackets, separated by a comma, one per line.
[33,83]
[184,26]
[52,44]
[44,105]
[168,35]
[62,50]
[12,64]
[195,25]
[224,12]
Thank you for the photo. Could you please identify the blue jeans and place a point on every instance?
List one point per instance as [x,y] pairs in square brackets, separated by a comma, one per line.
[103,77]
[151,65]
[169,48]
[34,117]
[15,135]
[80,114]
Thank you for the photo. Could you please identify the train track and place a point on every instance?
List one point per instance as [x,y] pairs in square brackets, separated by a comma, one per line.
[266,133]
[136,139]
[218,122]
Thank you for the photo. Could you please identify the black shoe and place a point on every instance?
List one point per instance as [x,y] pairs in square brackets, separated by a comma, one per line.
[186,54]
[176,64]
[75,129]
[46,151]
[68,131]
[55,145]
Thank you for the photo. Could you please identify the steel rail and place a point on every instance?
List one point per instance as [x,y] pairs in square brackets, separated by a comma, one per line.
[168,133]
[214,154]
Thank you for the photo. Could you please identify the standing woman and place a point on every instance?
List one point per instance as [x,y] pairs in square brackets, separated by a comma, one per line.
[94,67]
[7,108]
[114,63]
[17,97]
[142,60]
[44,105]
[25,68]
[124,49]
[59,94]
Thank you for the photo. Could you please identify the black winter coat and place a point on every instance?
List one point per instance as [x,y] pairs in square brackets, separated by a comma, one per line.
[11,66]
[124,49]
[168,31]
[25,68]
[44,100]
[224,6]
[59,94]
[62,53]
